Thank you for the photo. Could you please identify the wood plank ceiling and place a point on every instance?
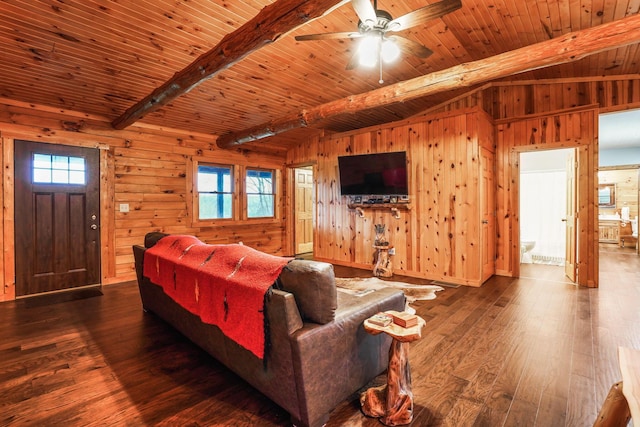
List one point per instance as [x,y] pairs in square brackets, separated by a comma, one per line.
[101,57]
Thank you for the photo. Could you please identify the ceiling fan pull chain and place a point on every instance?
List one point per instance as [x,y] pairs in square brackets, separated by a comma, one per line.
[380,60]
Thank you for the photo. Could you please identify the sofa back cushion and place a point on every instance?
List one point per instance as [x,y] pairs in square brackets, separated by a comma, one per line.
[150,239]
[312,283]
[314,287]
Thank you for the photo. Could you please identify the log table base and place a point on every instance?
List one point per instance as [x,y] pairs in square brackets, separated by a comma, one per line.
[393,402]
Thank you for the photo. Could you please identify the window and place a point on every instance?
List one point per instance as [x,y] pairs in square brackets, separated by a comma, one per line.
[215,191]
[52,169]
[225,194]
[259,187]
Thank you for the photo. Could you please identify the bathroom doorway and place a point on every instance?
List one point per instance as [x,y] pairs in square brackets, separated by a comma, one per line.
[547,213]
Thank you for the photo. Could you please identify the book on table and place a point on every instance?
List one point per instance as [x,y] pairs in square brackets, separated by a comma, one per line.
[406,320]
[381,319]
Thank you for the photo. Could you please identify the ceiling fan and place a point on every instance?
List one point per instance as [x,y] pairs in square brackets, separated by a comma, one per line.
[377,46]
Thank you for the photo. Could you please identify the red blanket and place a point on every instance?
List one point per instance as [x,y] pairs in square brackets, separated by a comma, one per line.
[223,284]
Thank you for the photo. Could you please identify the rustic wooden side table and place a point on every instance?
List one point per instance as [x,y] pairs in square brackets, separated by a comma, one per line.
[393,402]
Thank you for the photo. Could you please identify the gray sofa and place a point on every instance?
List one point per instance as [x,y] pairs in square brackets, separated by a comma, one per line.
[319,353]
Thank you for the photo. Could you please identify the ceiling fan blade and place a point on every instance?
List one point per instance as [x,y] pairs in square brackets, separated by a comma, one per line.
[424,14]
[365,11]
[411,47]
[329,36]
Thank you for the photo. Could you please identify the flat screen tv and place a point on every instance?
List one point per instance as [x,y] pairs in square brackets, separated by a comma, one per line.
[380,174]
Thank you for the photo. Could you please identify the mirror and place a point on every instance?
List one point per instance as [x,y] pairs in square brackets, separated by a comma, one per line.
[607,195]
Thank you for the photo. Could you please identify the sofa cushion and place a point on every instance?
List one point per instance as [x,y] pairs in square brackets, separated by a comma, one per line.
[313,285]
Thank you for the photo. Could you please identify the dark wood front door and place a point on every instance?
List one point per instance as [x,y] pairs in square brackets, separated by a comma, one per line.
[57,217]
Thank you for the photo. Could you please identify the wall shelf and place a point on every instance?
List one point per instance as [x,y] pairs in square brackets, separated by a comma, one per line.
[395,208]
[399,206]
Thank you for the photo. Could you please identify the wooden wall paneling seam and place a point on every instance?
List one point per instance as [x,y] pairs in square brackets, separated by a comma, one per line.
[3,289]
[288,246]
[473,198]
[8,232]
[107,217]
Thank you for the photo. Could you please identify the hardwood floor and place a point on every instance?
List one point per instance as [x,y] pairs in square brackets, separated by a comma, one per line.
[534,351]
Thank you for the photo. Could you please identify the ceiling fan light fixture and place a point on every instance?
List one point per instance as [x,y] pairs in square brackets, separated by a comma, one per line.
[368,51]
[390,51]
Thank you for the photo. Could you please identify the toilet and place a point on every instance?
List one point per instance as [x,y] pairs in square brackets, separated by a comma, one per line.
[526,246]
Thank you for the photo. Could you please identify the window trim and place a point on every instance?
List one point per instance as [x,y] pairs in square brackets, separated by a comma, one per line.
[239,200]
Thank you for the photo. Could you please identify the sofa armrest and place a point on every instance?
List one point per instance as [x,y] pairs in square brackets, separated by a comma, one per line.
[282,311]
[341,348]
[138,256]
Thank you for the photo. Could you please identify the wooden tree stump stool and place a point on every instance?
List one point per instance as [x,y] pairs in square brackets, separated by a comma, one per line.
[393,402]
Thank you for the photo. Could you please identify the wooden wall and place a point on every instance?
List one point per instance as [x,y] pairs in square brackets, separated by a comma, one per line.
[437,234]
[560,130]
[145,167]
[504,100]
[539,105]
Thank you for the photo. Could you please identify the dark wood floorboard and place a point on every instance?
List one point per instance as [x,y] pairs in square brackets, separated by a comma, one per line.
[533,351]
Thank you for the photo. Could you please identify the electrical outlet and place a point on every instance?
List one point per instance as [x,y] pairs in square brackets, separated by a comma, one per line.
[124,207]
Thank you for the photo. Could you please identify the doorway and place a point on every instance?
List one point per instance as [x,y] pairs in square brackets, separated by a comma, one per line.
[57,217]
[619,170]
[547,214]
[303,210]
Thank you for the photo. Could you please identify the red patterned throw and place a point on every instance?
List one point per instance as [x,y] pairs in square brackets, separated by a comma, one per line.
[223,284]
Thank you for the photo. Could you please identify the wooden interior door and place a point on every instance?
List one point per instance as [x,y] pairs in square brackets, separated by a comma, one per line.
[56,217]
[571,248]
[304,210]
[488,209]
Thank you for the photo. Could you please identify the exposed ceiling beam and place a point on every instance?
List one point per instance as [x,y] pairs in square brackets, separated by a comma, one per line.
[266,27]
[567,48]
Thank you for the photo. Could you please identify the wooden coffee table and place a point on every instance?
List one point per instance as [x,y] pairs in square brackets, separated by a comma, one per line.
[393,402]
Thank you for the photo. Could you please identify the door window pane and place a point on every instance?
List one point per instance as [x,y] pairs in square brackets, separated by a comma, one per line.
[52,169]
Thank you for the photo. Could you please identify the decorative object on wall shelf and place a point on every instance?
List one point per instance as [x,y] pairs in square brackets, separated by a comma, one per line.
[360,212]
[380,239]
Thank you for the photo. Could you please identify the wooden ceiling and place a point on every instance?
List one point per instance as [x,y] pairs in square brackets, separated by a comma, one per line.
[102,57]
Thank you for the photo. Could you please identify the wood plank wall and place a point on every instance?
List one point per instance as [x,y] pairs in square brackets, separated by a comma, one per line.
[437,234]
[532,116]
[562,130]
[132,157]
[515,102]
[508,100]
[142,166]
